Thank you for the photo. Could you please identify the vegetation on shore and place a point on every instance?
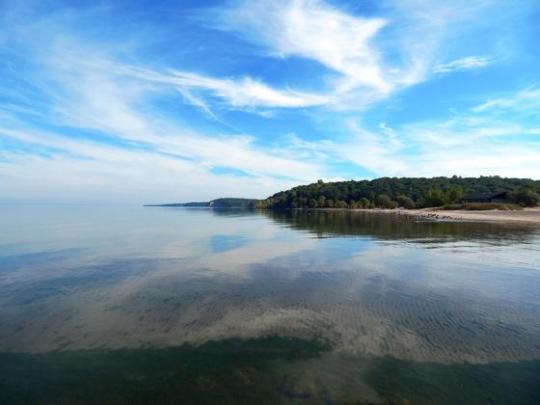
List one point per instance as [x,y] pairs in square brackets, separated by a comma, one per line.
[406,192]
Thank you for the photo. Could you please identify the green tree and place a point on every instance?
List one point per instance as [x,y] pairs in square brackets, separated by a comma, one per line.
[525,197]
[454,195]
[383,201]
[364,202]
[405,202]
[433,197]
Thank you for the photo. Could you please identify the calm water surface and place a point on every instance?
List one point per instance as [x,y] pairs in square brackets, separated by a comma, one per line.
[165,305]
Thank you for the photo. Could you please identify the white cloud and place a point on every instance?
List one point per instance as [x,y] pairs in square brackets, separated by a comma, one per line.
[466,63]
[357,73]
[525,100]
[246,92]
[238,92]
[314,30]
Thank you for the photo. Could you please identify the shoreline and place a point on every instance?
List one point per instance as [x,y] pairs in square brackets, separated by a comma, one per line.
[524,216]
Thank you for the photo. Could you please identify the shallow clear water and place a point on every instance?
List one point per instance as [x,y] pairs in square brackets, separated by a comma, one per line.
[137,305]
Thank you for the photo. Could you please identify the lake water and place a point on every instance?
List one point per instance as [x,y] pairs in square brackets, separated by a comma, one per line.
[173,305]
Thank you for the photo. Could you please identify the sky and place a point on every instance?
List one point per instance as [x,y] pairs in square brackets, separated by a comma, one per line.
[165,101]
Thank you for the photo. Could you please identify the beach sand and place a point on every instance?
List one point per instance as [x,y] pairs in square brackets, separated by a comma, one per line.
[526,216]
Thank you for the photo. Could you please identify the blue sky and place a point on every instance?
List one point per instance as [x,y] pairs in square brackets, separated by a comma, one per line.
[135,101]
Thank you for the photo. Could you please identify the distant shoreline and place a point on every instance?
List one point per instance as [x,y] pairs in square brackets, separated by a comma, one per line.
[524,216]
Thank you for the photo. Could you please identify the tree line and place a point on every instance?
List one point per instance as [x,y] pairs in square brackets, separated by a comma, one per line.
[406,192]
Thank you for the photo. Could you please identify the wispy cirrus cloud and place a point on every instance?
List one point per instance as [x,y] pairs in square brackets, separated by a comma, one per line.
[314,30]
[525,100]
[235,92]
[311,29]
[246,92]
[466,63]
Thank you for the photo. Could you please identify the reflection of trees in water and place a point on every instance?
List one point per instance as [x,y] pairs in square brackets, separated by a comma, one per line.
[395,226]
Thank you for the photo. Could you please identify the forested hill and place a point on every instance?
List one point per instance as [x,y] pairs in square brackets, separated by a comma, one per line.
[408,192]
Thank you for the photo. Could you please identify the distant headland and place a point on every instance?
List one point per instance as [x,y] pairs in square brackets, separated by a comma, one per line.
[246,203]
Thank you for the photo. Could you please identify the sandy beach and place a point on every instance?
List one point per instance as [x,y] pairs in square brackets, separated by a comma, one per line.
[525,216]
